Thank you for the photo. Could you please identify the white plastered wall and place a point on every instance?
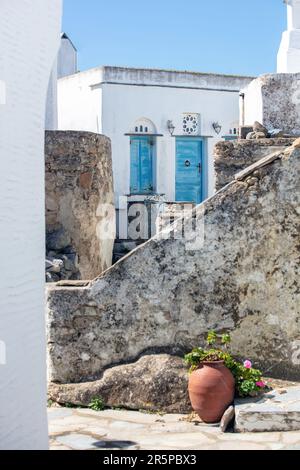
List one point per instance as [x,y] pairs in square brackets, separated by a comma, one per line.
[253,103]
[122,105]
[29,40]
[79,103]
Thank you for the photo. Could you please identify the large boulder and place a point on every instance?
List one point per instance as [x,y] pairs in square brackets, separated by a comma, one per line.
[154,383]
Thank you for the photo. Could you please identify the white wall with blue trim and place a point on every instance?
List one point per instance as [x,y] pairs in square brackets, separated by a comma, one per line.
[110,100]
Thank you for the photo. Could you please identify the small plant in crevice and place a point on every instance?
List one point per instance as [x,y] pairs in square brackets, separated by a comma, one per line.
[97,404]
[248,381]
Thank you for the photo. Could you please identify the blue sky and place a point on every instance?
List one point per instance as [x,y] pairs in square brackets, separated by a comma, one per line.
[223,36]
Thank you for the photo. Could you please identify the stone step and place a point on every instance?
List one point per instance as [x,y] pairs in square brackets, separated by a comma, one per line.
[278,410]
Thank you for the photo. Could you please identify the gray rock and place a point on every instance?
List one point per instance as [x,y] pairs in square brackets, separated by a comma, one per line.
[260,135]
[258,127]
[57,240]
[52,277]
[154,382]
[256,135]
[251,135]
[70,262]
[54,265]
[227,418]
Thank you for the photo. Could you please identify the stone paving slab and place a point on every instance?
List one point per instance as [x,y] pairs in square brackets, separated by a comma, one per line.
[80,429]
[276,411]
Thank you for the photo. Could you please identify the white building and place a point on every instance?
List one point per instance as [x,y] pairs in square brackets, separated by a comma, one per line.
[288,60]
[29,41]
[163,125]
[67,57]
[256,100]
[65,64]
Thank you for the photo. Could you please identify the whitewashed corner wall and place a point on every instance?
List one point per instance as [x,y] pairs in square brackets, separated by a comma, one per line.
[252,106]
[51,117]
[29,40]
[288,58]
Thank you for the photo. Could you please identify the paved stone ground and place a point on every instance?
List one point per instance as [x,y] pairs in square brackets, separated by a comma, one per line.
[84,429]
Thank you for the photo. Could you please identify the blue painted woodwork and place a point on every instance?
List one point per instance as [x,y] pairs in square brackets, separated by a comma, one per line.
[189,169]
[141,164]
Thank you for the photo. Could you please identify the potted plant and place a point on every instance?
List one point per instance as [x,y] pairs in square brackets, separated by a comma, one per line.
[215,378]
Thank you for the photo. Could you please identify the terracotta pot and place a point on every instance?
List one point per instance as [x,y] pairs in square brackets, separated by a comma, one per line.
[211,390]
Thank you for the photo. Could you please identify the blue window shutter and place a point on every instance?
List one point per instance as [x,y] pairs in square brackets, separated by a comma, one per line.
[134,165]
[146,180]
[141,165]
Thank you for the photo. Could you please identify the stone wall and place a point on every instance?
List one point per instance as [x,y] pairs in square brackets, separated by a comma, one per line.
[166,295]
[80,215]
[232,157]
[274,100]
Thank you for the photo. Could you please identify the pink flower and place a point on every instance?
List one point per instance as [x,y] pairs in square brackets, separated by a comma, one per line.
[248,364]
[260,384]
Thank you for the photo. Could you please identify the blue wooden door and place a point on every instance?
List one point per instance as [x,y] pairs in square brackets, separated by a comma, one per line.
[189,162]
[141,164]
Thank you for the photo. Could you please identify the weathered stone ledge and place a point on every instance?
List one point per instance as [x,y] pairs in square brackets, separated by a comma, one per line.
[233,157]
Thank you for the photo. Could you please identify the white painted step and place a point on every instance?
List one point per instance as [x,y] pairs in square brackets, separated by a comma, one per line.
[276,411]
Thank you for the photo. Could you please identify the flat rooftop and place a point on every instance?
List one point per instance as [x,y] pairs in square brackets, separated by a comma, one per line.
[161,77]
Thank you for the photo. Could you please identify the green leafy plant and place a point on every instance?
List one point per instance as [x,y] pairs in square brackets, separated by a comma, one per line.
[211,338]
[97,404]
[248,381]
[226,339]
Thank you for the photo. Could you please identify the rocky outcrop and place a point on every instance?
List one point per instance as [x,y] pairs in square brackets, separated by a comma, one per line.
[277,99]
[154,383]
[237,269]
[79,204]
[232,157]
[259,132]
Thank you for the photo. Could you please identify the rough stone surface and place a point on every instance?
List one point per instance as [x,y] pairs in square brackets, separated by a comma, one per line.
[232,157]
[227,418]
[277,102]
[165,295]
[258,127]
[276,411]
[258,132]
[79,203]
[155,383]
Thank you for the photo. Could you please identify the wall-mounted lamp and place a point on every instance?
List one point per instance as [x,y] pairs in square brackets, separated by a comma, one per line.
[171,127]
[217,127]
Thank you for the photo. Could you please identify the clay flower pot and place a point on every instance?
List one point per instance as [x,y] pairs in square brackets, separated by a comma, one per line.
[211,390]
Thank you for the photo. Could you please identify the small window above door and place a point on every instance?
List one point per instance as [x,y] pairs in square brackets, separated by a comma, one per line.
[143,126]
